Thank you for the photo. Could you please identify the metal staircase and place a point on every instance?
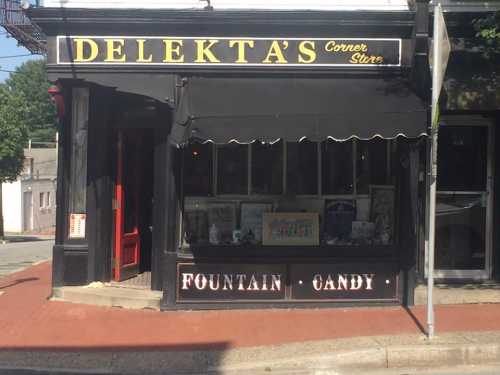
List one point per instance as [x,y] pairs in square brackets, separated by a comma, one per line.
[19,26]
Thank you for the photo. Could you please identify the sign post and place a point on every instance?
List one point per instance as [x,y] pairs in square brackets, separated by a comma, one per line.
[439,55]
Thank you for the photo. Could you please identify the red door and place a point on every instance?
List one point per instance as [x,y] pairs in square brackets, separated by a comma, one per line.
[127,238]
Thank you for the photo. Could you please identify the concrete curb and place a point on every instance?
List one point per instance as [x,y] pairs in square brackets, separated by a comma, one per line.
[373,353]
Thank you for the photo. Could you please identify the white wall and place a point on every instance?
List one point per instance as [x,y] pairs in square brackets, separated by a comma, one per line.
[236,4]
[44,216]
[12,206]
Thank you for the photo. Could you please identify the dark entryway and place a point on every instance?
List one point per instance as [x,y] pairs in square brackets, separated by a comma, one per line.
[133,206]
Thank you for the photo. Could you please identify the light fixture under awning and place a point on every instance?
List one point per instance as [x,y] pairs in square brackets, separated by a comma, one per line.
[222,110]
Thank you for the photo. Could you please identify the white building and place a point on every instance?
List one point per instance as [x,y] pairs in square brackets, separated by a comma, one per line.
[29,203]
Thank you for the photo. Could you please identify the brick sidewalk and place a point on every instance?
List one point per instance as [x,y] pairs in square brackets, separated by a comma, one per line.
[29,321]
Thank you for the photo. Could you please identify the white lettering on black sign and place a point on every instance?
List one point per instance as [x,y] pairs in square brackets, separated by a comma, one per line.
[230,282]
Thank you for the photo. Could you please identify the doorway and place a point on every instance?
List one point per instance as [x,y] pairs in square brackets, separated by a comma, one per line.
[132,258]
[464,203]
[27,211]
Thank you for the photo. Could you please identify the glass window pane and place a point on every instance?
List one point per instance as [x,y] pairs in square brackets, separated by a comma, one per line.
[198,169]
[267,168]
[302,167]
[462,153]
[232,169]
[337,167]
[460,231]
[371,164]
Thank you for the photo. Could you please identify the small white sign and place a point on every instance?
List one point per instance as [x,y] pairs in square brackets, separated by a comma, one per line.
[77,225]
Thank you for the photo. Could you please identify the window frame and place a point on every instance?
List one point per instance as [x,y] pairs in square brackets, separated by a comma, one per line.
[390,143]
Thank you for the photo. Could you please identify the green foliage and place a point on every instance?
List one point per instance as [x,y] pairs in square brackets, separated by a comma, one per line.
[29,85]
[488,31]
[13,135]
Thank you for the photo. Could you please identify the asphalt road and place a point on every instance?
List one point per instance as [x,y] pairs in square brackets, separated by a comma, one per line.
[16,256]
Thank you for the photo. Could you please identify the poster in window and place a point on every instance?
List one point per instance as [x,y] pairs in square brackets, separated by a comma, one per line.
[251,219]
[195,225]
[290,229]
[382,209]
[339,215]
[222,220]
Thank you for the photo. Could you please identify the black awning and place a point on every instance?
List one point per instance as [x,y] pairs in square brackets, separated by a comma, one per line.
[245,109]
[159,86]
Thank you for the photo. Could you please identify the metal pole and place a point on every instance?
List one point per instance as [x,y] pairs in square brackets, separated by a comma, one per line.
[433,177]
[432,228]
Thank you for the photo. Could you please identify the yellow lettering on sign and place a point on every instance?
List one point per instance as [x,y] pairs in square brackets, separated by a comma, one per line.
[276,53]
[242,44]
[333,46]
[140,52]
[94,50]
[114,50]
[173,51]
[307,53]
[361,58]
[203,52]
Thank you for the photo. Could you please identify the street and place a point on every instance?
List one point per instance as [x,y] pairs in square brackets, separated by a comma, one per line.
[16,256]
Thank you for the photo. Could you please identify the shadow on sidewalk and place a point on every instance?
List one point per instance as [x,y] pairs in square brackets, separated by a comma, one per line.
[17,239]
[19,281]
[415,320]
[203,358]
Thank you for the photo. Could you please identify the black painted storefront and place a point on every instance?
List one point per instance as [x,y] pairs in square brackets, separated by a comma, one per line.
[154,97]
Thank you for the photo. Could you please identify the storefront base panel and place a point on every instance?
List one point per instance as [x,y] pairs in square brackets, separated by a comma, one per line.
[457,294]
[312,283]
[282,305]
[70,263]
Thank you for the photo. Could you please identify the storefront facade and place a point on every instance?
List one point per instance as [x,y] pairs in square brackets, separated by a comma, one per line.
[247,159]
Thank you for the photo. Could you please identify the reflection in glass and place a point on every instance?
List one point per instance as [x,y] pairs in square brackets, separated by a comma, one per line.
[198,169]
[460,231]
[267,168]
[462,158]
[371,164]
[302,171]
[337,168]
[232,169]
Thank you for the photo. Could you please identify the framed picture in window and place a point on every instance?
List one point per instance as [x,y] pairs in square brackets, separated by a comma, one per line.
[339,215]
[382,211]
[222,220]
[251,219]
[290,229]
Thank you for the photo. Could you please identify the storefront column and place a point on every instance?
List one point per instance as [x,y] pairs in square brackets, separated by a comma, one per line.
[99,185]
[159,208]
[70,256]
[170,209]
[62,183]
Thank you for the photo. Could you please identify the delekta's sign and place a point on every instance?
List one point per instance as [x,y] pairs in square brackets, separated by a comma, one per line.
[228,52]
[279,282]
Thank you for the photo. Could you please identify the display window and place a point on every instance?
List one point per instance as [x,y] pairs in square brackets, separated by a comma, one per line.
[289,193]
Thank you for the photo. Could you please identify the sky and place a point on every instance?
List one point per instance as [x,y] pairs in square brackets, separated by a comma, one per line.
[8,47]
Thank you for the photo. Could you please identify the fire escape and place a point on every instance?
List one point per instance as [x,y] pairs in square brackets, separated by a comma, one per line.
[19,26]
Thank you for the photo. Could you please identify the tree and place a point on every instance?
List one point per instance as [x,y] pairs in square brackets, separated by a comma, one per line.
[13,137]
[29,84]
[488,31]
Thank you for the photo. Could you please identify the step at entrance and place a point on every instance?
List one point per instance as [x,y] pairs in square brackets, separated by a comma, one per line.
[110,296]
